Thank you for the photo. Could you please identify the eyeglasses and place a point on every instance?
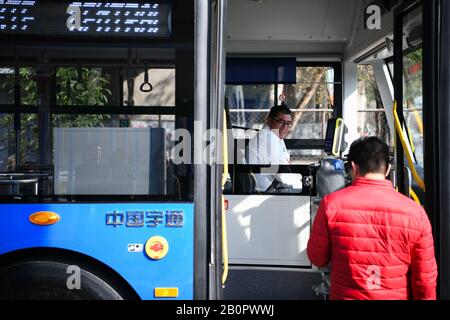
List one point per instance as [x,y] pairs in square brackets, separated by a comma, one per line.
[284,123]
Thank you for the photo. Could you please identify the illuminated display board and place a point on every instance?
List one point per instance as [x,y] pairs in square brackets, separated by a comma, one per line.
[85,18]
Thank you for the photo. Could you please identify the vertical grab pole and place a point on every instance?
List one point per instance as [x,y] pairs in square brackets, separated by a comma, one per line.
[218,254]
[444,151]
[201,203]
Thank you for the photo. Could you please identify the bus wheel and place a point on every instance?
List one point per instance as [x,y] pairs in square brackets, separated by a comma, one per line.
[49,280]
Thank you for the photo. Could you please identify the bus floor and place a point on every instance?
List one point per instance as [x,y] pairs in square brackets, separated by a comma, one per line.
[247,283]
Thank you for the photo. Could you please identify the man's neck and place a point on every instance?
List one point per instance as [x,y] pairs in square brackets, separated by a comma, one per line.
[273,132]
[374,176]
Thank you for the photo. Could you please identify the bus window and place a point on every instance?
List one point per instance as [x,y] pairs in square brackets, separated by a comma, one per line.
[6,86]
[312,101]
[28,87]
[412,82]
[249,105]
[412,95]
[28,150]
[77,142]
[371,114]
[7,142]
[158,90]
[83,86]
[28,122]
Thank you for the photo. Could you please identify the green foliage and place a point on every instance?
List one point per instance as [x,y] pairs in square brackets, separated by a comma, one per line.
[94,92]
[28,87]
[412,74]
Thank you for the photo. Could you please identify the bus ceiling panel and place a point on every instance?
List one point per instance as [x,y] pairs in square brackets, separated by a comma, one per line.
[365,42]
[291,20]
[332,56]
[280,48]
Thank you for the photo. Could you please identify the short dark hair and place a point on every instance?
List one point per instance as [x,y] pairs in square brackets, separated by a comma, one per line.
[371,154]
[275,110]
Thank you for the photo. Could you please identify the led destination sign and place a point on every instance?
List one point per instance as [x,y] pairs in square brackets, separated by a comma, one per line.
[80,18]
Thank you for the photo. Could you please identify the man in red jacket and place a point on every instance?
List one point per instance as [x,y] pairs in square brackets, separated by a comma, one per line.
[378,241]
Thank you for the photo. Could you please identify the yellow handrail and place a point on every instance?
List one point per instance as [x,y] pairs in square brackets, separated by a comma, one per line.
[336,142]
[404,142]
[411,141]
[418,120]
[419,125]
[224,220]
[414,196]
[417,116]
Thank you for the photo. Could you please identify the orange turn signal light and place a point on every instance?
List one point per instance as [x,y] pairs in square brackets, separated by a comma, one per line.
[44,218]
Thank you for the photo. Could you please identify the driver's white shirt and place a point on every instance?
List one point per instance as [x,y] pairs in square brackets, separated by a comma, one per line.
[267,148]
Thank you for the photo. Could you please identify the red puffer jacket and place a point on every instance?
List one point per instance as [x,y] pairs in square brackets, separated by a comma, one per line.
[379,243]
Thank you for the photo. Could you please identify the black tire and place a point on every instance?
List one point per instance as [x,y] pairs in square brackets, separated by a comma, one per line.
[52,280]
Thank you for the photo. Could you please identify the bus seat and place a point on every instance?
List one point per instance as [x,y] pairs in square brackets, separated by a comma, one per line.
[245,183]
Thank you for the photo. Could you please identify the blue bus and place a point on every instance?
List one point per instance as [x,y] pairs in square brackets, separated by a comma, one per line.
[92,96]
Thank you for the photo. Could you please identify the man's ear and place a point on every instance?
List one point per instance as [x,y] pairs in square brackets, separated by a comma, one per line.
[388,170]
[355,169]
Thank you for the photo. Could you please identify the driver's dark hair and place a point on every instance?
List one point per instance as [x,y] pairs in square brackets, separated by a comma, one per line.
[371,154]
[275,110]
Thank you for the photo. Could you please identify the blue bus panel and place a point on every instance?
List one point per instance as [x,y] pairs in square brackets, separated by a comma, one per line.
[115,234]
